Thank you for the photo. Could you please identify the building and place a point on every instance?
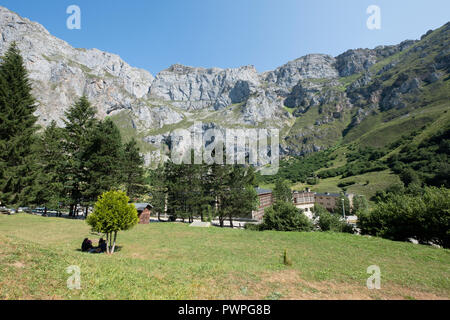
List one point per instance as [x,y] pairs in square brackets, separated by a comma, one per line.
[304,200]
[265,200]
[144,210]
[327,200]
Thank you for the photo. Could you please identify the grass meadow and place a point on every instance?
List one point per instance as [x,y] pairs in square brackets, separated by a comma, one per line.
[175,261]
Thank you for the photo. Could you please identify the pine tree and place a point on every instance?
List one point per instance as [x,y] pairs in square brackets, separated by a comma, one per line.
[133,170]
[101,161]
[158,191]
[48,186]
[17,130]
[241,198]
[79,125]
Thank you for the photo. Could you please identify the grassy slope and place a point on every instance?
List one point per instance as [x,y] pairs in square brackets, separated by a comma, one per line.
[173,261]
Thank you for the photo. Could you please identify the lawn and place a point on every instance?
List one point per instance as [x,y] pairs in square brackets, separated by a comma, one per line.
[175,261]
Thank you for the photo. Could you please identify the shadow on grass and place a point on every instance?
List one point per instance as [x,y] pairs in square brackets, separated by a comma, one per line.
[117,249]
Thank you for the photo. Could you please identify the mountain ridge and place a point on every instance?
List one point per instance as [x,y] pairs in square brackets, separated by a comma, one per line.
[316,100]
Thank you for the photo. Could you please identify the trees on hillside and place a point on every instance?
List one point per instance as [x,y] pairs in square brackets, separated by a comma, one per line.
[425,217]
[17,130]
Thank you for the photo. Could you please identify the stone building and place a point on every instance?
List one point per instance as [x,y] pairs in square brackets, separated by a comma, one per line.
[265,200]
[144,210]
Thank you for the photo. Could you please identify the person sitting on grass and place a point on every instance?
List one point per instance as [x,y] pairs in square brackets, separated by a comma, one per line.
[86,245]
[101,247]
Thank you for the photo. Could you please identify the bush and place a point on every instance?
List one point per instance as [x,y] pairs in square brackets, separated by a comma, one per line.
[425,217]
[312,181]
[252,227]
[330,222]
[284,216]
[346,184]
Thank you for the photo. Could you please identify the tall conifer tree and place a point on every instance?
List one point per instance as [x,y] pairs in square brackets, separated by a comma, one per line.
[133,170]
[17,130]
[79,125]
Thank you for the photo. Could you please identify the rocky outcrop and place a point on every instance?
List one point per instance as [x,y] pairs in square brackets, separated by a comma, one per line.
[313,66]
[314,99]
[60,73]
[197,88]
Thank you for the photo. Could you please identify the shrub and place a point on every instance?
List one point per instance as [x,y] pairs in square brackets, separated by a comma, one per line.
[327,221]
[346,184]
[284,216]
[252,227]
[425,217]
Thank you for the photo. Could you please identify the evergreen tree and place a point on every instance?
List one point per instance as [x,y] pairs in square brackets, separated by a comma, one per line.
[101,161]
[158,191]
[78,131]
[241,198]
[133,170]
[17,130]
[48,187]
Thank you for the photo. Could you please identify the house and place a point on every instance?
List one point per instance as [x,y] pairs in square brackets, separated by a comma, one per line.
[144,210]
[327,200]
[304,200]
[265,200]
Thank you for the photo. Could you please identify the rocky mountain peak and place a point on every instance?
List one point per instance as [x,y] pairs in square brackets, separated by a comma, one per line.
[312,99]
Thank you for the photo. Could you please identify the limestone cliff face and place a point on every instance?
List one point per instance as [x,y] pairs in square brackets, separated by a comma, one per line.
[61,73]
[312,99]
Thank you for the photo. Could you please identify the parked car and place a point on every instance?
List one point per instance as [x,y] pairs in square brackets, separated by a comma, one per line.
[38,210]
[24,209]
[8,211]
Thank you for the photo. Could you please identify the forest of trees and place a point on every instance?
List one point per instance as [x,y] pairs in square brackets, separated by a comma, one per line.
[59,167]
[205,191]
[71,166]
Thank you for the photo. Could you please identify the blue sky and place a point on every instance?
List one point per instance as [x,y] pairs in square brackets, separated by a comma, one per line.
[153,34]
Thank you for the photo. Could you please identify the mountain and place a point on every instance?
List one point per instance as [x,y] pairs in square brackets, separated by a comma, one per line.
[372,96]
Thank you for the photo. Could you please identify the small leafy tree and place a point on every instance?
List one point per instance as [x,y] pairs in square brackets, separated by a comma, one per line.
[282,191]
[112,214]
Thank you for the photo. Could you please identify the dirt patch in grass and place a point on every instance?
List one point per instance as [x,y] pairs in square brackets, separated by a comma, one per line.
[289,285]
[17,264]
